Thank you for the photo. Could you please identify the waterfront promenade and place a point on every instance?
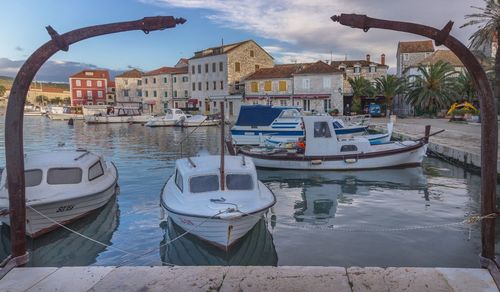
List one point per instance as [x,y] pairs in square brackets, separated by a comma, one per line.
[460,142]
[246,279]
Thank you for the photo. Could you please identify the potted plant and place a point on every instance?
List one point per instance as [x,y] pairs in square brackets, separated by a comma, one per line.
[334,112]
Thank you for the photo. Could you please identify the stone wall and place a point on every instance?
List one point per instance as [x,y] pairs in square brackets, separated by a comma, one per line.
[130,84]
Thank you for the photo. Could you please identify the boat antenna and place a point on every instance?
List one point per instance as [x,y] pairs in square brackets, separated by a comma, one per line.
[222,145]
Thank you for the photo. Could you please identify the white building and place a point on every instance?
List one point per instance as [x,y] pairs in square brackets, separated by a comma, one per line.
[129,86]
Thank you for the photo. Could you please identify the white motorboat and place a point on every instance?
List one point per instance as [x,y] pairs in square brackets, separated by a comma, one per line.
[31,110]
[219,207]
[255,123]
[323,150]
[171,118]
[62,186]
[198,121]
[118,115]
[64,113]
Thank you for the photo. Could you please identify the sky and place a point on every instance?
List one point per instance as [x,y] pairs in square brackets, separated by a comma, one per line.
[290,30]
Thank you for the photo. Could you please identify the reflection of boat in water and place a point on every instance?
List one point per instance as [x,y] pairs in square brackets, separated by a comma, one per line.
[322,191]
[256,248]
[63,248]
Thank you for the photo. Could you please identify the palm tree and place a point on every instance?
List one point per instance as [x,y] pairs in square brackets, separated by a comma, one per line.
[360,87]
[389,86]
[434,88]
[488,18]
[466,88]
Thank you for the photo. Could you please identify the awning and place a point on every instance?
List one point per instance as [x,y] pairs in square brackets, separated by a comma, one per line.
[192,101]
[311,96]
[150,101]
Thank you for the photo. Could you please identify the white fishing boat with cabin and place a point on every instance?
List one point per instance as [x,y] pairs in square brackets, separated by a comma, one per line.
[32,110]
[61,186]
[64,113]
[324,150]
[198,121]
[176,117]
[255,123]
[118,115]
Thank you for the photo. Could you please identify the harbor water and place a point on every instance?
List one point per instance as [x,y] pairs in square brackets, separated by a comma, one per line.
[395,217]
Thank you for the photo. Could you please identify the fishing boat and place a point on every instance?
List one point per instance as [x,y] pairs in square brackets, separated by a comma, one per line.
[216,197]
[61,186]
[322,149]
[31,110]
[118,115]
[64,113]
[257,122]
[198,121]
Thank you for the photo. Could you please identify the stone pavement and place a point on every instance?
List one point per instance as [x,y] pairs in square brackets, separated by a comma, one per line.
[459,141]
[246,279]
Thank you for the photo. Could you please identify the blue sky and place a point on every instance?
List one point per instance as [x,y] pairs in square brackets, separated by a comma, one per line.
[291,30]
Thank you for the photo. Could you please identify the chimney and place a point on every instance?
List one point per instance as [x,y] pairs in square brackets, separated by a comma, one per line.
[382,59]
[368,58]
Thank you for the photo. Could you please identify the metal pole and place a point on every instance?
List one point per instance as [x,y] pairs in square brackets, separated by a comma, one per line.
[222,145]
[14,151]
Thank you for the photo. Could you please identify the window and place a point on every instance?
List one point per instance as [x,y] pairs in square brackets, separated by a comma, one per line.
[125,81]
[99,94]
[204,183]
[99,83]
[372,69]
[283,102]
[165,94]
[175,93]
[165,80]
[154,93]
[176,104]
[90,103]
[178,180]
[78,83]
[95,171]
[199,69]
[193,71]
[348,148]
[33,177]
[89,93]
[186,93]
[221,66]
[194,86]
[237,85]
[199,86]
[206,85]
[215,104]
[63,176]
[78,93]
[252,53]
[214,67]
[306,83]
[357,70]
[125,92]
[321,130]
[215,85]
[139,93]
[257,67]
[175,79]
[145,81]
[237,67]
[146,93]
[268,85]
[154,80]
[221,85]
[282,85]
[185,79]
[327,82]
[239,182]
[206,68]
[139,82]
[406,57]
[254,86]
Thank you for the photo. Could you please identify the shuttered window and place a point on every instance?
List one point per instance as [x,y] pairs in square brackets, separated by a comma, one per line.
[254,87]
[268,86]
[282,86]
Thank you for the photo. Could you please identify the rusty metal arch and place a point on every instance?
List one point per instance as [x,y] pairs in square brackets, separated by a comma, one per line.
[14,149]
[489,124]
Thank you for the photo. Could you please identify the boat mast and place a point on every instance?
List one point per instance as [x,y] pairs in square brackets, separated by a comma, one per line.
[222,122]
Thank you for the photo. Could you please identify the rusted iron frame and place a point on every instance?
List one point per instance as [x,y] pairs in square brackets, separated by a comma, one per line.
[489,126]
[14,149]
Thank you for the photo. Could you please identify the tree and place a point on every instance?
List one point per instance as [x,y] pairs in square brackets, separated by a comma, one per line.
[466,88]
[389,86]
[434,88]
[2,90]
[55,100]
[67,100]
[360,87]
[488,19]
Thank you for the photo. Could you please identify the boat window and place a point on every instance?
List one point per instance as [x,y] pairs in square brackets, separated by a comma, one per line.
[204,183]
[321,130]
[32,177]
[347,148]
[337,125]
[62,176]
[95,171]
[290,114]
[178,180]
[239,182]
[179,112]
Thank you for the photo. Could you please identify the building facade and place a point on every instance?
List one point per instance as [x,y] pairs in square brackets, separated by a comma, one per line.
[218,73]
[129,86]
[49,94]
[89,87]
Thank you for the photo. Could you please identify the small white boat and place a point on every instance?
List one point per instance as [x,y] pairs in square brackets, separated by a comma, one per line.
[171,118]
[118,115]
[63,186]
[198,121]
[217,206]
[31,110]
[64,113]
[323,150]
[255,123]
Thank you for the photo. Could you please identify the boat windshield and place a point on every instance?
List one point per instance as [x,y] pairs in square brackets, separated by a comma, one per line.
[204,183]
[33,177]
[62,176]
[290,113]
[239,182]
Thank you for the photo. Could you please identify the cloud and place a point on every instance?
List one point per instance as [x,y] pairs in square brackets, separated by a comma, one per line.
[304,26]
[19,49]
[52,70]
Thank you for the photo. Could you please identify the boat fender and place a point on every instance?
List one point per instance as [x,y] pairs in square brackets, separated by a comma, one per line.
[351,160]
[316,162]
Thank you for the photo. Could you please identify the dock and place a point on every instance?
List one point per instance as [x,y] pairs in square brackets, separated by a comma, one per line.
[459,143]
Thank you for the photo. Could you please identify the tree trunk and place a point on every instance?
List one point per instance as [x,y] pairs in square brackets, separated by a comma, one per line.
[496,85]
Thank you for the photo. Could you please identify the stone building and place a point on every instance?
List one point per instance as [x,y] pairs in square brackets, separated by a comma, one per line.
[360,68]
[50,93]
[181,89]
[129,87]
[217,74]
[412,53]
[446,56]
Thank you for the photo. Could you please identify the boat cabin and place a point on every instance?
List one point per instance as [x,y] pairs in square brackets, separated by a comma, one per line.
[261,115]
[198,175]
[174,114]
[321,139]
[61,169]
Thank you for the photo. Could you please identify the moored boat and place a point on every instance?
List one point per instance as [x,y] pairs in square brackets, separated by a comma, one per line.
[118,115]
[31,110]
[61,186]
[198,121]
[171,118]
[323,150]
[64,113]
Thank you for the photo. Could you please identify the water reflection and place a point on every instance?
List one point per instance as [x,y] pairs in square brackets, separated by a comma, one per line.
[256,248]
[63,248]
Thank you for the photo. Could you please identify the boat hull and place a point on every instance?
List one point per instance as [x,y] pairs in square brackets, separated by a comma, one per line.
[161,123]
[64,117]
[116,119]
[411,156]
[221,232]
[188,123]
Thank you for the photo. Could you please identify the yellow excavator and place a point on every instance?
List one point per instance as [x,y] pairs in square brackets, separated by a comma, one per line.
[461,105]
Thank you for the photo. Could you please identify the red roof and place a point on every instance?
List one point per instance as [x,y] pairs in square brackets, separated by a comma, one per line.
[167,70]
[416,47]
[134,73]
[278,71]
[319,67]
[45,88]
[92,74]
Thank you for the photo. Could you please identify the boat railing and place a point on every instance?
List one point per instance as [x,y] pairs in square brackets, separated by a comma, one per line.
[359,120]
